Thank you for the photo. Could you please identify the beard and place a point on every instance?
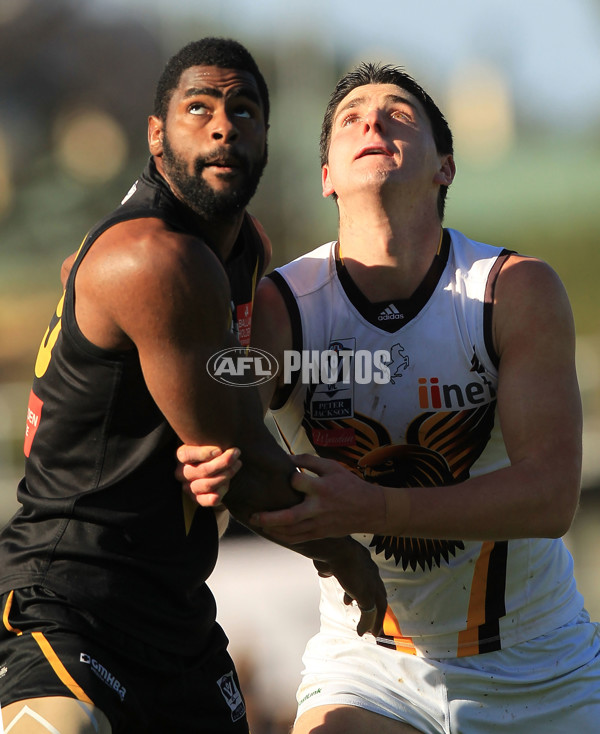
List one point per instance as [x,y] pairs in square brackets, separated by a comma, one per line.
[199,195]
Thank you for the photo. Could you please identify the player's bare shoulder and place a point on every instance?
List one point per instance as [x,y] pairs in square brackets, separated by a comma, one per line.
[271,320]
[150,248]
[140,274]
[529,298]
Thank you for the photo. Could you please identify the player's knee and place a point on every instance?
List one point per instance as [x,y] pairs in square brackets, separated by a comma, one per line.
[57,714]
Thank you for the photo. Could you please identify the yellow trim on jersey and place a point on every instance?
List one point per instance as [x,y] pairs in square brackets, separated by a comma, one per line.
[439,249]
[59,668]
[391,627]
[468,639]
[5,614]
[254,279]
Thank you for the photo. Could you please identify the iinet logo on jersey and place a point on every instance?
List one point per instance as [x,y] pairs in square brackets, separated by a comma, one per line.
[434,396]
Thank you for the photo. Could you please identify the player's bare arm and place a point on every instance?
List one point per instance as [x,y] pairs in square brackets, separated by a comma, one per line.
[540,413]
[167,295]
[206,471]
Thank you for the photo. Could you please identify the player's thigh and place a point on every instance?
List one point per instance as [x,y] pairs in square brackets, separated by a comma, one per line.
[332,719]
[55,714]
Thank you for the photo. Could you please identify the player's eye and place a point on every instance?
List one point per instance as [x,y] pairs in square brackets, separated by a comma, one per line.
[401,115]
[349,119]
[198,108]
[244,112]
[244,108]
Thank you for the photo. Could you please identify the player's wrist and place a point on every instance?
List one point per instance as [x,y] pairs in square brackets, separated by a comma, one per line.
[396,514]
[335,552]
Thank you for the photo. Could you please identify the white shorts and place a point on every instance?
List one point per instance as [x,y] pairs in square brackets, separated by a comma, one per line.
[549,685]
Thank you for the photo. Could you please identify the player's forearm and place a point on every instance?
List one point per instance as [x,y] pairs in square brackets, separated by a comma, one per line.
[516,502]
[263,483]
[264,479]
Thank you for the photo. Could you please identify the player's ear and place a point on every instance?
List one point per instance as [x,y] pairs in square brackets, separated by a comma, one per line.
[327,186]
[155,135]
[446,171]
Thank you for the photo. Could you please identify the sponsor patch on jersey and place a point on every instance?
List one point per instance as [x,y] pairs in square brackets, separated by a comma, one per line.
[105,675]
[330,409]
[232,696]
[34,416]
[335,399]
[333,436]
[243,320]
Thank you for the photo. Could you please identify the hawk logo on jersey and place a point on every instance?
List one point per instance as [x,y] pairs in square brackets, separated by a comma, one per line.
[440,449]
[409,466]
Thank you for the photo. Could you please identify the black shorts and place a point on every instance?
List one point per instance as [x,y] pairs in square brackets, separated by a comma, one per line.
[48,648]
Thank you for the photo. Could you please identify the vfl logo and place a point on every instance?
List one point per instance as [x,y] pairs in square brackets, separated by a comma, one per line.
[242,366]
[232,696]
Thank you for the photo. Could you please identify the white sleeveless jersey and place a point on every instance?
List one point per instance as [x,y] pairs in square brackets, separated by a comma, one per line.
[412,402]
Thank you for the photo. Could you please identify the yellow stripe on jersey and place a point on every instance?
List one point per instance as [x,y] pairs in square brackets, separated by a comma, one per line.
[59,668]
[391,628]
[468,639]
[7,607]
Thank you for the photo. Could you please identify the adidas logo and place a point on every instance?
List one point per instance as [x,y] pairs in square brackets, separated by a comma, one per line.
[390,312]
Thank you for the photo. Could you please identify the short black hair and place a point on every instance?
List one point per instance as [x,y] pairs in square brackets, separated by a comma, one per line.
[225,53]
[370,73]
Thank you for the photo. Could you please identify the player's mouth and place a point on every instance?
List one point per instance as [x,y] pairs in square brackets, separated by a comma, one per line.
[226,165]
[373,150]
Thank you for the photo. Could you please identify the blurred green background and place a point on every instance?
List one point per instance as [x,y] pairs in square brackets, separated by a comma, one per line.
[519,83]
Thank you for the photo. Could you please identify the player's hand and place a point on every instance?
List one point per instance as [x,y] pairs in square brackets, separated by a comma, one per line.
[337,503]
[359,576]
[205,472]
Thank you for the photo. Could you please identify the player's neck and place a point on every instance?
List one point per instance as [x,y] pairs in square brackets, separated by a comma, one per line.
[386,257]
[222,235]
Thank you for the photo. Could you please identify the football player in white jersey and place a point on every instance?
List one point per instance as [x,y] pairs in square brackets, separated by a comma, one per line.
[481,441]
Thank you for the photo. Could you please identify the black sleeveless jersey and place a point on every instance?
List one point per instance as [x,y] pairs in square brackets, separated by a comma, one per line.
[103,521]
